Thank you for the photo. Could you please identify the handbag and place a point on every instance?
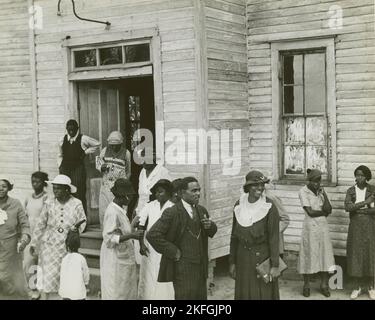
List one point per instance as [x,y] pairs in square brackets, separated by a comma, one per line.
[264,268]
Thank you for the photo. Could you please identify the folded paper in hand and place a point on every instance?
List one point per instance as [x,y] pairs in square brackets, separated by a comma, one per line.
[264,269]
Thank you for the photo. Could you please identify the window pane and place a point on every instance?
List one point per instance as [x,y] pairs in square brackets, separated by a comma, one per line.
[294,159]
[293,69]
[110,55]
[293,100]
[315,83]
[316,131]
[85,58]
[137,53]
[294,131]
[316,157]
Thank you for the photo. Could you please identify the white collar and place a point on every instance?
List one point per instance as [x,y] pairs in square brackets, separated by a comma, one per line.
[187,207]
[249,213]
[70,139]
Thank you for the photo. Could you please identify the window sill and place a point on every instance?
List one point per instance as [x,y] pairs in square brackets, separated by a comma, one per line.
[301,183]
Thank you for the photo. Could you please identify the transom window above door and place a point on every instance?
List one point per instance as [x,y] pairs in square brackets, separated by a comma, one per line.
[123,54]
[304,113]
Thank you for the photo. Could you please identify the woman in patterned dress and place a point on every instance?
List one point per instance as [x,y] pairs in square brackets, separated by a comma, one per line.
[316,252]
[58,216]
[114,162]
[359,202]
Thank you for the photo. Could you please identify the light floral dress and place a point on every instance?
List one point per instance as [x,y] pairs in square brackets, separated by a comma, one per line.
[118,269]
[316,252]
[49,237]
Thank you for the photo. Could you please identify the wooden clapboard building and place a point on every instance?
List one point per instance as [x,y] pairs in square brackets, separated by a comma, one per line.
[297,81]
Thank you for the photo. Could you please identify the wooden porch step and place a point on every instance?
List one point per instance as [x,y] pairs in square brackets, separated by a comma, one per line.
[92,257]
[91,239]
[94,284]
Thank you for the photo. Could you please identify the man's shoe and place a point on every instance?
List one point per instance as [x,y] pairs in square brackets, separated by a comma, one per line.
[325,292]
[306,292]
[355,293]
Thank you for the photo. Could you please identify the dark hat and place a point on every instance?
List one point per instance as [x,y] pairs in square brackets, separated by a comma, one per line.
[255,177]
[313,174]
[122,187]
[164,183]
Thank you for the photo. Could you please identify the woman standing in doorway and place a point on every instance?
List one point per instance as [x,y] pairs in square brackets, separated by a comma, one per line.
[359,202]
[316,252]
[114,162]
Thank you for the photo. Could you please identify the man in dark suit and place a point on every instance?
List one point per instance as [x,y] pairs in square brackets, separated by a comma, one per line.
[181,236]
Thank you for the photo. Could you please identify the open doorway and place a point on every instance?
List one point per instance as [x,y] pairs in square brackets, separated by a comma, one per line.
[104,106]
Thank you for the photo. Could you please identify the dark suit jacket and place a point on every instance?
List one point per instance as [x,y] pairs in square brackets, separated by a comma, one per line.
[166,233]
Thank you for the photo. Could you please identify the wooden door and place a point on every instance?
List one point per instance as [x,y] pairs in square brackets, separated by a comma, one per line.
[101,111]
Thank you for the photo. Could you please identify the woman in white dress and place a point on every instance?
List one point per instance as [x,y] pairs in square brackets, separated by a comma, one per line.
[118,271]
[316,252]
[149,287]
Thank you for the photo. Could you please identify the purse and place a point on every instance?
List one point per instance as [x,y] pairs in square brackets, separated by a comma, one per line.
[264,268]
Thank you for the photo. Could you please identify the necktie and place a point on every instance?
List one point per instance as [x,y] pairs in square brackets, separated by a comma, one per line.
[195,213]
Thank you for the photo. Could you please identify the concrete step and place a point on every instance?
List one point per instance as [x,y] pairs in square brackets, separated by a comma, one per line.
[91,239]
[94,284]
[92,257]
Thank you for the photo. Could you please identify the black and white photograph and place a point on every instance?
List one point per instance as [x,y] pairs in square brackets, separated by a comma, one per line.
[195,150]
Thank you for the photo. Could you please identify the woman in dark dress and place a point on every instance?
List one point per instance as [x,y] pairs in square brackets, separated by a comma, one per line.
[359,202]
[14,237]
[254,238]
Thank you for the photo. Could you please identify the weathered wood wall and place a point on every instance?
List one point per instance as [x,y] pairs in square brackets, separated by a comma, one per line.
[225,37]
[355,94]
[175,21]
[16,121]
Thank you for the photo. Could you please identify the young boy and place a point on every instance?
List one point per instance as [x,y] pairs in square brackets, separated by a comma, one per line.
[74,272]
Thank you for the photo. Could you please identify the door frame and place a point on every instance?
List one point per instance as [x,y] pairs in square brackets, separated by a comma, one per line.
[149,69]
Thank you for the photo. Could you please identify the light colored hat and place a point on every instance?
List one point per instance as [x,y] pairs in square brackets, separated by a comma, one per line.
[115,137]
[64,180]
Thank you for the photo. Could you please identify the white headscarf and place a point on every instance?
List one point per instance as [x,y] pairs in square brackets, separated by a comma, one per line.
[249,213]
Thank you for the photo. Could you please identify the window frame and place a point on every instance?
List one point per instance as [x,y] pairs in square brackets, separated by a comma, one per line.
[277,50]
[121,44]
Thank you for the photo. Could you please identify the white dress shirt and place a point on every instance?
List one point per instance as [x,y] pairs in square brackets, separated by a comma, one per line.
[188,208]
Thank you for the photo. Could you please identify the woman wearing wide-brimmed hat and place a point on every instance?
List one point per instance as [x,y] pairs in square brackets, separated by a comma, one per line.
[254,239]
[118,269]
[58,216]
[149,287]
[359,202]
[316,252]
[14,236]
[114,162]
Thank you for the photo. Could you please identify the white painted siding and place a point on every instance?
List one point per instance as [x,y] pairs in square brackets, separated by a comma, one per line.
[16,130]
[355,94]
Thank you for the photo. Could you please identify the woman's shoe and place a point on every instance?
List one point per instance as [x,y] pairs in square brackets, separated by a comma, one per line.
[306,292]
[355,293]
[371,293]
[325,292]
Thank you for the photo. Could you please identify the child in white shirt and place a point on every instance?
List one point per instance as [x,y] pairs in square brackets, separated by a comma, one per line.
[74,272]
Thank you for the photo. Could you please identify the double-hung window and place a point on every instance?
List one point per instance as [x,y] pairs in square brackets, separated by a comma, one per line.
[303,112]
